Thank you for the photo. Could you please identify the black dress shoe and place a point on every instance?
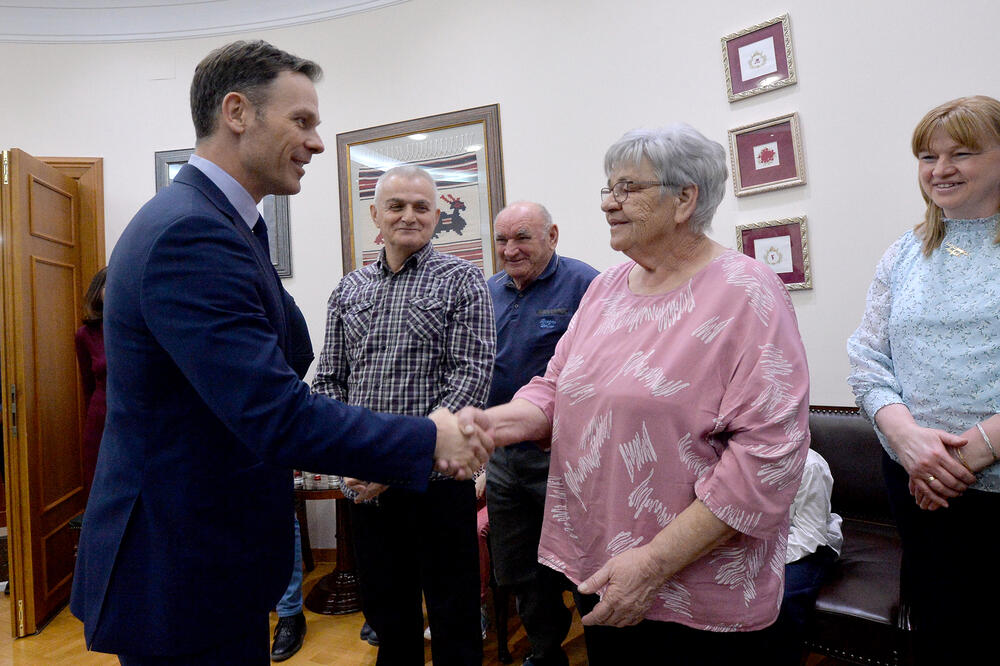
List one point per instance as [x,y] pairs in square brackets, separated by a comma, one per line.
[368,634]
[288,636]
[559,659]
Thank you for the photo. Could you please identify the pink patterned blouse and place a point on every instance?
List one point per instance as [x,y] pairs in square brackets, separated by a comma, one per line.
[702,392]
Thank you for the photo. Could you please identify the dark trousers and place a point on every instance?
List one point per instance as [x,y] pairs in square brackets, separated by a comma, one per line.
[673,644]
[949,575]
[252,648]
[413,542]
[803,578]
[516,479]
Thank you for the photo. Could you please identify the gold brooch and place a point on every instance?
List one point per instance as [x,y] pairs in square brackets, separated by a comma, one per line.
[955,250]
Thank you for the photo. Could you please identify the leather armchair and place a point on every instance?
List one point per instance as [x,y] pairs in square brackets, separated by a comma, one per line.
[860,616]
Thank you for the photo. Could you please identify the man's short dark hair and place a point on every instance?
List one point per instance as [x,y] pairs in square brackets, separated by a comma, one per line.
[244,67]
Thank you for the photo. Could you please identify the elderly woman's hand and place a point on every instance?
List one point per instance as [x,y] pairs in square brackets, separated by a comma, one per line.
[630,582]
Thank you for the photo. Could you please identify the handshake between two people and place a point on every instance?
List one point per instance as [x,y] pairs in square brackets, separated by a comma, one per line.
[464,444]
[464,441]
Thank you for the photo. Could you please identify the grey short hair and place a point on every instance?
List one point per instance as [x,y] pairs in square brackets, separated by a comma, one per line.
[406,171]
[542,210]
[681,156]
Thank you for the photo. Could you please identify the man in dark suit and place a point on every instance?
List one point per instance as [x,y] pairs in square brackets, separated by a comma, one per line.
[187,537]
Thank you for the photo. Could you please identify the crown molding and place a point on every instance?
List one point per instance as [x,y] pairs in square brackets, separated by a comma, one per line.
[111,21]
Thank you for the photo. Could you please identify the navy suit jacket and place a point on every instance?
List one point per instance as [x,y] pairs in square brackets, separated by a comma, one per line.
[187,536]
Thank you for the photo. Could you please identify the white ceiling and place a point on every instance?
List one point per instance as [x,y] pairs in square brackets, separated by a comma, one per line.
[56,21]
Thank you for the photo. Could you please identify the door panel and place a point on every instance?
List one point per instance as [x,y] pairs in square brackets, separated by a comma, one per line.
[51,214]
[56,428]
[42,293]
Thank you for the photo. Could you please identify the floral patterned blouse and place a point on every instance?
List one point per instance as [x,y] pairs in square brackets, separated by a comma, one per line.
[656,400]
[930,336]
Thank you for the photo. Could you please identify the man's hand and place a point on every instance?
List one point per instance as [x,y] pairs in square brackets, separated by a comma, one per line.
[463,442]
[365,490]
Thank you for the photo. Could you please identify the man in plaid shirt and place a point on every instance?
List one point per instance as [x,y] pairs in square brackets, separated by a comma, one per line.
[410,333]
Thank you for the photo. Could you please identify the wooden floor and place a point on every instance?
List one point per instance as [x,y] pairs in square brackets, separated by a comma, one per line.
[330,641]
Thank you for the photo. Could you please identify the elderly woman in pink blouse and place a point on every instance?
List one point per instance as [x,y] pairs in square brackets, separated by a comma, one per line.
[677,407]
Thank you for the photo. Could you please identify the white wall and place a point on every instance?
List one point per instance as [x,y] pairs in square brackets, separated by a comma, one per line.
[570,78]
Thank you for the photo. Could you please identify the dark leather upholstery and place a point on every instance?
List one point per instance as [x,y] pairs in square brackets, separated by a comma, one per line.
[859,616]
[848,443]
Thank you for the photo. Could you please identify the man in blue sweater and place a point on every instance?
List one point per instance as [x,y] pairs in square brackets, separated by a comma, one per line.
[534,297]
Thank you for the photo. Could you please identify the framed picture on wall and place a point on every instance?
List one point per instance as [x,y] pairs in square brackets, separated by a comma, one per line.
[460,149]
[780,244]
[273,208]
[759,58]
[767,155]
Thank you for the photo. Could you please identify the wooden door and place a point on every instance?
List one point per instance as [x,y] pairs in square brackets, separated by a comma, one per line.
[48,258]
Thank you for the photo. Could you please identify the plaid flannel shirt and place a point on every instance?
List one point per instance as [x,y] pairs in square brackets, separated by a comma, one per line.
[409,342]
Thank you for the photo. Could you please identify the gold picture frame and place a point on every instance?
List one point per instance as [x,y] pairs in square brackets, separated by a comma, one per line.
[782,245]
[767,155]
[759,59]
[461,150]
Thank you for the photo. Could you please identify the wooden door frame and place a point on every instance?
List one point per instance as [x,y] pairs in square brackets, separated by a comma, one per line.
[89,174]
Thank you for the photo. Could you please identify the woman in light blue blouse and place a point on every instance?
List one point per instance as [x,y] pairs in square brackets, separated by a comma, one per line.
[925,368]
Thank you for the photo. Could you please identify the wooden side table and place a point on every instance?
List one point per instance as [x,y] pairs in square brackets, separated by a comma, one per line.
[338,592]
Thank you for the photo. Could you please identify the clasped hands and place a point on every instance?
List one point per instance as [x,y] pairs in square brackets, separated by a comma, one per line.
[935,474]
[464,441]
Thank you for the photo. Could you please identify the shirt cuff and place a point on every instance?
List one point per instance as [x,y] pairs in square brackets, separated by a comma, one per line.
[538,394]
[876,399]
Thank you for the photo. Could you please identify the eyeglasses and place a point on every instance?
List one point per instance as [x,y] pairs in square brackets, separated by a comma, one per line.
[621,189]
